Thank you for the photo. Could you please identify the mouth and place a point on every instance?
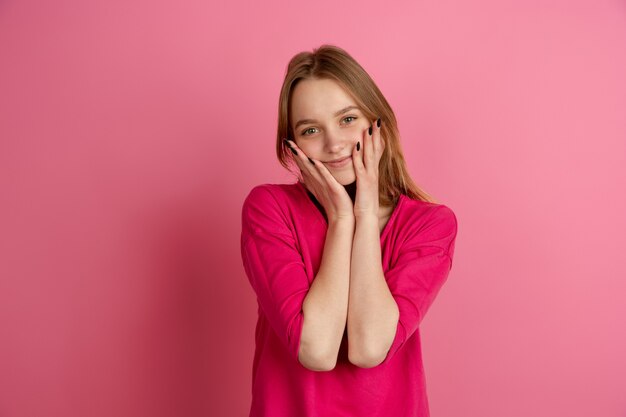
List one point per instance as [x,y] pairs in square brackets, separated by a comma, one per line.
[334,161]
[339,163]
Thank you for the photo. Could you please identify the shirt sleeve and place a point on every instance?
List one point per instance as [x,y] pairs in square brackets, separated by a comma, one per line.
[422,267]
[274,266]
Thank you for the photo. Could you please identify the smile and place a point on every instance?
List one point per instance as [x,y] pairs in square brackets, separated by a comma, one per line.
[340,163]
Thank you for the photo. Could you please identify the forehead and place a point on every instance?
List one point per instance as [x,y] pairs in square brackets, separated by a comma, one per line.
[315,98]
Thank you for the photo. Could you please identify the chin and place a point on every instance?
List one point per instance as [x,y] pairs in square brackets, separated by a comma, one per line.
[345,178]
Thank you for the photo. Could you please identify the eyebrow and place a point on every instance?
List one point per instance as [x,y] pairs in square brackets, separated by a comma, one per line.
[340,112]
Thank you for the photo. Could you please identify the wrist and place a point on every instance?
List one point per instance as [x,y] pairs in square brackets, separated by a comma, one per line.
[341,220]
[366,213]
[366,217]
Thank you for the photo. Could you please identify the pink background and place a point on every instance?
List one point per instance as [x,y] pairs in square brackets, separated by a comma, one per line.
[131,131]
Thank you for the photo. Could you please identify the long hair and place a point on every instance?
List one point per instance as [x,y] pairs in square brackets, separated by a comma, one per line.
[332,62]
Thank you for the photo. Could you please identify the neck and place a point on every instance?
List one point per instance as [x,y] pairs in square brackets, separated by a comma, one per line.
[351,189]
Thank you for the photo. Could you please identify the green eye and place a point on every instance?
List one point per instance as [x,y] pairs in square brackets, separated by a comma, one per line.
[349,119]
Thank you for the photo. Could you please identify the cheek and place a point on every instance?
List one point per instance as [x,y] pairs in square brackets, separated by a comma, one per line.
[310,148]
[362,127]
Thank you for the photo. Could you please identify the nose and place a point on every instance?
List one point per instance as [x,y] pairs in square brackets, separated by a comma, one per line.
[336,141]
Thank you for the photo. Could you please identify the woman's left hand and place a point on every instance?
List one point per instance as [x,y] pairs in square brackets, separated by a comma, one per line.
[365,163]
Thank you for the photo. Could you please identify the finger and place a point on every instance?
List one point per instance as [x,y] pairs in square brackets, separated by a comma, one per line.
[357,159]
[368,147]
[327,177]
[379,143]
[316,176]
[308,166]
[317,169]
[296,156]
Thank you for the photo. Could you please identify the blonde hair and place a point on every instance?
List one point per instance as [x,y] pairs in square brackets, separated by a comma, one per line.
[332,62]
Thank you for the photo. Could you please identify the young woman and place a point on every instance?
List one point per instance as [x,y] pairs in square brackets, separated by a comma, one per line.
[346,261]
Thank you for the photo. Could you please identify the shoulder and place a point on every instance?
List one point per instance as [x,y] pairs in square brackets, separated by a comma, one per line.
[270,195]
[267,207]
[426,213]
[426,221]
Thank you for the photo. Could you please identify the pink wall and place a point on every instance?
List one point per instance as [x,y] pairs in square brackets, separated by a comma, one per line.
[131,131]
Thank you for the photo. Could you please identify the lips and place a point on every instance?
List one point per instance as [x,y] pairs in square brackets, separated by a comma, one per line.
[339,164]
[339,160]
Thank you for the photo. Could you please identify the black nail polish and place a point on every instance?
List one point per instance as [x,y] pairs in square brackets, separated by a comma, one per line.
[358,146]
[370,130]
[378,122]
[311,161]
[293,150]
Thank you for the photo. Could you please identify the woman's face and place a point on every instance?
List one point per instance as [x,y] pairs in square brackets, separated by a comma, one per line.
[327,124]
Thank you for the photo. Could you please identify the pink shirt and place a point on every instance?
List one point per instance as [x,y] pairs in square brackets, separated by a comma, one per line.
[282,241]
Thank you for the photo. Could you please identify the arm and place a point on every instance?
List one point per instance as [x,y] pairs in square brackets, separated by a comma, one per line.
[326,304]
[414,279]
[373,313]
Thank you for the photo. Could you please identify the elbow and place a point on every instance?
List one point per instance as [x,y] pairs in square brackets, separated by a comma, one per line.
[316,363]
[366,360]
[374,351]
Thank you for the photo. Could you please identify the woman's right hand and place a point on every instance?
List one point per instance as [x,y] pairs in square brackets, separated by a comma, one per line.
[321,183]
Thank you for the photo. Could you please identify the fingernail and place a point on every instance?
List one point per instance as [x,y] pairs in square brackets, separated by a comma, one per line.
[378,122]
[310,160]
[358,146]
[370,130]
[289,145]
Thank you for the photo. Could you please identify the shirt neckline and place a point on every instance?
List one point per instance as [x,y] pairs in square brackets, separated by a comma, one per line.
[320,216]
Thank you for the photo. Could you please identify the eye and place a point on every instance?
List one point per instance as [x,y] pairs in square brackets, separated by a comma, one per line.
[348,118]
[304,132]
